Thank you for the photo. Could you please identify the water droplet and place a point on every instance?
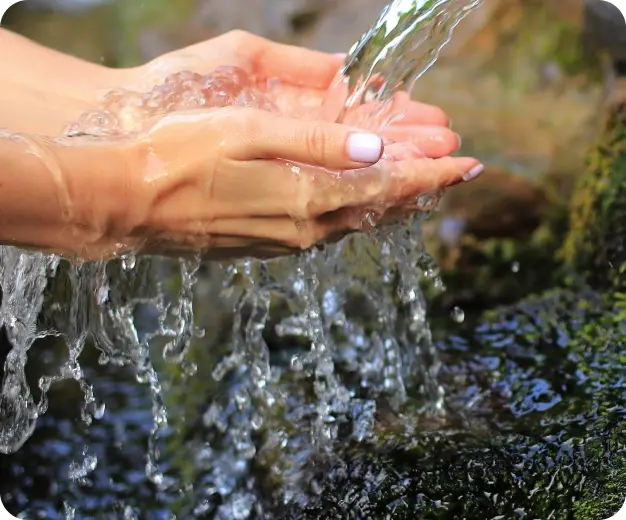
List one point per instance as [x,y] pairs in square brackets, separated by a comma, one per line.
[128,261]
[189,369]
[458,314]
[515,267]
[296,364]
[78,471]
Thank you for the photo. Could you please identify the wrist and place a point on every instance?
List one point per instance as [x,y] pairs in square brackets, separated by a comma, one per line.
[47,89]
[72,197]
[97,189]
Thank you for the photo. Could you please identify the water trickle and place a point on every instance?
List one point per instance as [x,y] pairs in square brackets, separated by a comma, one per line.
[356,305]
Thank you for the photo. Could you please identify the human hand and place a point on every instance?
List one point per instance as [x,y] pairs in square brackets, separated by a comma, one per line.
[304,78]
[236,181]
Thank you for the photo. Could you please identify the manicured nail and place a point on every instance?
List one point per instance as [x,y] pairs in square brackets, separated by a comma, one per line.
[473,173]
[365,148]
[340,54]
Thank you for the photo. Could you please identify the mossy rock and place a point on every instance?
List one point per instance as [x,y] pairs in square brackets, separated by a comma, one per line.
[491,235]
[535,392]
[534,430]
[596,245]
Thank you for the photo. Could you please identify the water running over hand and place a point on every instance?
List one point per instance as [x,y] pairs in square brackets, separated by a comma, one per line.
[357,304]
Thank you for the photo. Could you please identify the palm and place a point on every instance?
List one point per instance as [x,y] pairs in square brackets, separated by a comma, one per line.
[304,75]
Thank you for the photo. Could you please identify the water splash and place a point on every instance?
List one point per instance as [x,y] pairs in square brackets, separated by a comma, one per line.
[357,304]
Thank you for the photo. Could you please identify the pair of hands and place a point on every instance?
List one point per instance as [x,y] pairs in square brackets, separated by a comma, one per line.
[219,180]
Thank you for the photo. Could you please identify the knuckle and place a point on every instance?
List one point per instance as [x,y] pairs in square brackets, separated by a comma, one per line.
[318,143]
[304,204]
[308,235]
[442,117]
[240,116]
[245,42]
[245,122]
[304,209]
[239,36]
[318,234]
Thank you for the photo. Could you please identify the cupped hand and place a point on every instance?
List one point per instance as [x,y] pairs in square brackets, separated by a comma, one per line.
[235,181]
[304,77]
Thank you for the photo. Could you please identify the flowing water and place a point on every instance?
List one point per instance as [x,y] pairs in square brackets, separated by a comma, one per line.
[231,425]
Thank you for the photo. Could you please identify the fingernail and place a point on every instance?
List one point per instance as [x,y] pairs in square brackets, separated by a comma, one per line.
[365,148]
[340,54]
[473,173]
[459,140]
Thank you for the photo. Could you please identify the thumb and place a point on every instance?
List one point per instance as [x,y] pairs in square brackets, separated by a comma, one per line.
[297,65]
[263,135]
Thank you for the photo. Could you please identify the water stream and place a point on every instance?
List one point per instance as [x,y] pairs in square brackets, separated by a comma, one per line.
[350,317]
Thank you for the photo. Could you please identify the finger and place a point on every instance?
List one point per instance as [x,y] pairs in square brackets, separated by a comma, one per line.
[256,134]
[259,252]
[433,141]
[281,231]
[227,247]
[235,248]
[393,183]
[421,114]
[290,234]
[276,188]
[305,193]
[413,178]
[296,65]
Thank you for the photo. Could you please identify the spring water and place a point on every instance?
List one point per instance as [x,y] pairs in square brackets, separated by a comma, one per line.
[355,311]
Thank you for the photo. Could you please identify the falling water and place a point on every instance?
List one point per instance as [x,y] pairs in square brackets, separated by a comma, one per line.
[357,304]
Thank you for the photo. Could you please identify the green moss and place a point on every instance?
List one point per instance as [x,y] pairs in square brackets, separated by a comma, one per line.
[595,244]
[538,38]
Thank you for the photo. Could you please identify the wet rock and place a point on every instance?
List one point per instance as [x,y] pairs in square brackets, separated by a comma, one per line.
[489,235]
[596,245]
[496,205]
[533,412]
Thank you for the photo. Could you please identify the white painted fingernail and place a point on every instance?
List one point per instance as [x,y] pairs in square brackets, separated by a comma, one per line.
[474,172]
[340,54]
[365,148]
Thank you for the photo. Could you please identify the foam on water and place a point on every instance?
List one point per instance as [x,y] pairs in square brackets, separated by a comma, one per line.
[357,304]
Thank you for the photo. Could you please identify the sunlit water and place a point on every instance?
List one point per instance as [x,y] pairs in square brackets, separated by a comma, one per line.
[321,346]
